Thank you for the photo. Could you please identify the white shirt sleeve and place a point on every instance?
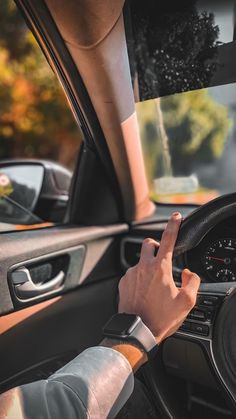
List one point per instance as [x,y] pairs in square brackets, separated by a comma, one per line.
[95,385]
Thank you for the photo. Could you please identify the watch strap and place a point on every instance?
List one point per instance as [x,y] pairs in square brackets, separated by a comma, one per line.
[144,336]
[140,336]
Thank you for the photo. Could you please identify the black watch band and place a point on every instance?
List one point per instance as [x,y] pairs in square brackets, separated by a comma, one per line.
[130,328]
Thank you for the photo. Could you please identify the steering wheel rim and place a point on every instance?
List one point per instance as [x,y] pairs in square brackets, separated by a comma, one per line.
[198,223]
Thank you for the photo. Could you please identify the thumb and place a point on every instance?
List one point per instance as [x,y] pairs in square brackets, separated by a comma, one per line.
[190,285]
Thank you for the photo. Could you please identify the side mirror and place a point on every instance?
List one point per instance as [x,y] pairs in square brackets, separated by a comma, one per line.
[36,188]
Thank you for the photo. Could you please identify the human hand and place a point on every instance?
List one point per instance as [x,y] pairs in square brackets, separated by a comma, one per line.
[148,289]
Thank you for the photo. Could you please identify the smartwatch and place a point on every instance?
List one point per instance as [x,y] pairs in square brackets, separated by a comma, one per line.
[129,328]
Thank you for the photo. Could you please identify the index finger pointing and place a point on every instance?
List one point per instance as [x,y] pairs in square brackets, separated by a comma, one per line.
[169,237]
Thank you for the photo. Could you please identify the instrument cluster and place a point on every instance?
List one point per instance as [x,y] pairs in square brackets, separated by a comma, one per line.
[214,259]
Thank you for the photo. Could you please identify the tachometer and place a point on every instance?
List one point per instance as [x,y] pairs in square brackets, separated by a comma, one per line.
[219,260]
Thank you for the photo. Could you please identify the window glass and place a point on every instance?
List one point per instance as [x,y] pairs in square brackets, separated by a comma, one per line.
[189,144]
[183,65]
[35,124]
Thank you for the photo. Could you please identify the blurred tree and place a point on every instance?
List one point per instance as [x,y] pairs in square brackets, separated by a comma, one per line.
[197,128]
[35,120]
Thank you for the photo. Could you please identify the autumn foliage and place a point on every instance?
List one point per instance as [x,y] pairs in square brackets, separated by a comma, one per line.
[35,120]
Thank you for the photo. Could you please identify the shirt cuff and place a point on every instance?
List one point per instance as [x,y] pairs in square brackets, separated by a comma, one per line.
[101,377]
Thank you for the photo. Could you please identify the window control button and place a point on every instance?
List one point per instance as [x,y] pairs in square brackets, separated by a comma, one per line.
[200,329]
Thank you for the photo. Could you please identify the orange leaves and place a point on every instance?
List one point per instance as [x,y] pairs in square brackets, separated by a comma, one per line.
[35,120]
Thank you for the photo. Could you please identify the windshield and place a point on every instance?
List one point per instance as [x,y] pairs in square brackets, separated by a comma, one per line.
[183,67]
[189,144]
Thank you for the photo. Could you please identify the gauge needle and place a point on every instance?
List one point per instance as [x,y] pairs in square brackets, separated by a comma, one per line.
[212,257]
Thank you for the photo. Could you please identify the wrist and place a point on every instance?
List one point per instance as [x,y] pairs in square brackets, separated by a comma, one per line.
[159,333]
[134,354]
[159,338]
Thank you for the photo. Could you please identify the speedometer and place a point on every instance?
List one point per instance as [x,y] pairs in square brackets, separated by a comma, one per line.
[219,260]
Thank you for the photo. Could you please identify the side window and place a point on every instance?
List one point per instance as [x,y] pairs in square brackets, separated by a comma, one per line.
[39,140]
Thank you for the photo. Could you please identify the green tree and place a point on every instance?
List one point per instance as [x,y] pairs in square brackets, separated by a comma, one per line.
[196,126]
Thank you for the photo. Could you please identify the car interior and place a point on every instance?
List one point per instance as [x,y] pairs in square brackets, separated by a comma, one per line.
[59,283]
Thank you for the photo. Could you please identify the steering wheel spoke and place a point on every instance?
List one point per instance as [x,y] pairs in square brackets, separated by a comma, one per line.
[211,324]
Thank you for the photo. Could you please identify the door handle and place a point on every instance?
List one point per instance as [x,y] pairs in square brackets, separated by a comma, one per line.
[25,288]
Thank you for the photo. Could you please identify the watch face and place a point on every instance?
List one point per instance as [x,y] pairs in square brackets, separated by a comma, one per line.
[121,324]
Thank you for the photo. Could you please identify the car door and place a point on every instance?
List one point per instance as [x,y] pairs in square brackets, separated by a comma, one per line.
[58,284]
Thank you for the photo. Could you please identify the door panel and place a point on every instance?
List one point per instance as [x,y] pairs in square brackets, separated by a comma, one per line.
[40,335]
[45,276]
[23,247]
[64,327]
[37,330]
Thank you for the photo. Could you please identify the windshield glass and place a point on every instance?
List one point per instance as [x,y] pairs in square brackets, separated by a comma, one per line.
[183,67]
[189,144]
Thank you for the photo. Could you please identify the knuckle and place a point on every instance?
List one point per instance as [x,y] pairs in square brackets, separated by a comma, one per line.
[123,279]
[148,240]
[197,280]
[168,234]
[143,264]
[121,283]
[164,265]
[189,299]
[129,272]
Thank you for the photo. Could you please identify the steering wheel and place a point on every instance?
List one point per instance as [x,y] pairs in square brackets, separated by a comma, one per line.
[218,337]
[220,343]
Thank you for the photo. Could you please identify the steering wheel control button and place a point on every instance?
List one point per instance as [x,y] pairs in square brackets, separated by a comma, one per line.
[186,326]
[210,301]
[210,315]
[224,342]
[200,329]
[197,315]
